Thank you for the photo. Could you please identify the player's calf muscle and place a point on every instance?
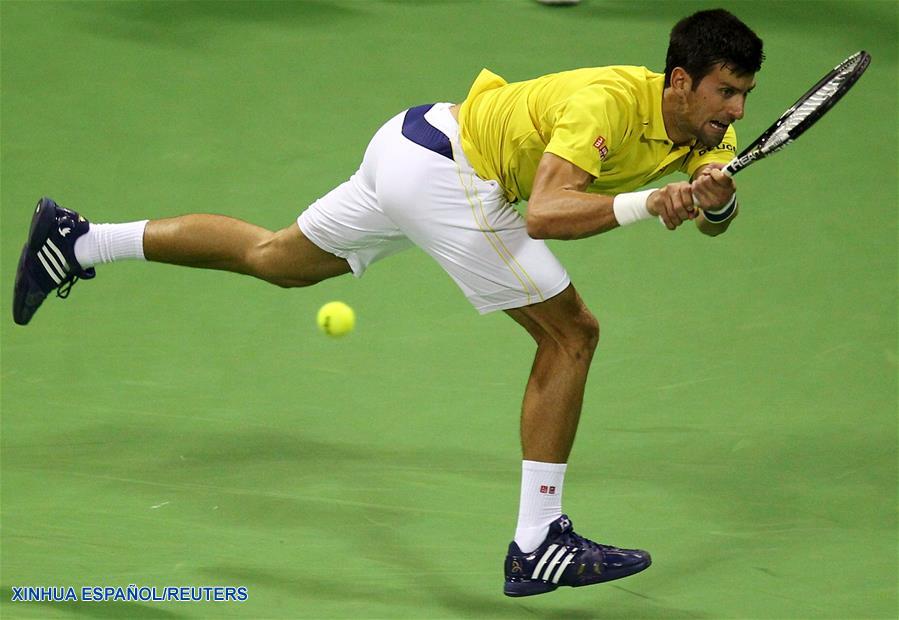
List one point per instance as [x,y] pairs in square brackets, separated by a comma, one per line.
[210,241]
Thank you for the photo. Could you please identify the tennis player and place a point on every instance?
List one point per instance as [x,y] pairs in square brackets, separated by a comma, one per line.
[577,145]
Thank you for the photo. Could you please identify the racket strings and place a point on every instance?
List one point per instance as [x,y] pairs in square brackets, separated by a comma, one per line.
[819,98]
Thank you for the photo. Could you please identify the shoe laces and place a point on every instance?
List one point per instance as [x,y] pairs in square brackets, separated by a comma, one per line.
[585,543]
[62,291]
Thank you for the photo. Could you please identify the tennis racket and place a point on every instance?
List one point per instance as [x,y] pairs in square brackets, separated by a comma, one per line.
[804,113]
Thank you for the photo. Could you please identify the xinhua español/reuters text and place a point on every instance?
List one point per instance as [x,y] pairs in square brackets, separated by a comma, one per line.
[130,593]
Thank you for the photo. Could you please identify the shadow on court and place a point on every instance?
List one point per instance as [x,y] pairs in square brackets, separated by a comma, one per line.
[380,562]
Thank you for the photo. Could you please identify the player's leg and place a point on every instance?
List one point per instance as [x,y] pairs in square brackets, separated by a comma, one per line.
[566,334]
[63,247]
[546,553]
[286,257]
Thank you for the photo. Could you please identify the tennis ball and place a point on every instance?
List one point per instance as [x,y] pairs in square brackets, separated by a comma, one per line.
[336,318]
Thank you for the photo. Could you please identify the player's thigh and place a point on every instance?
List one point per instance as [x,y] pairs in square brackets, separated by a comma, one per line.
[466,224]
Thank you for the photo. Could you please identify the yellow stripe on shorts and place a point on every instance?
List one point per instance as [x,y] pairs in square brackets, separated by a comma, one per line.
[496,241]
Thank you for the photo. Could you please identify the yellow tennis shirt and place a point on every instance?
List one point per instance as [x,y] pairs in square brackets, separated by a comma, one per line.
[606,121]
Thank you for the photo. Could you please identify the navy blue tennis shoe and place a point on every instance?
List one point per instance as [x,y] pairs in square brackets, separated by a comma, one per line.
[47,262]
[566,559]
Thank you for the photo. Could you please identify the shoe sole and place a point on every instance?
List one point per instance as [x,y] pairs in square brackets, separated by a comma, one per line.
[39,229]
[528,588]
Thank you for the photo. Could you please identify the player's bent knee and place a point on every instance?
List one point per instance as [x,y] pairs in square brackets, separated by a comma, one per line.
[289,260]
[271,261]
[576,336]
[584,333]
[563,323]
[590,329]
[579,326]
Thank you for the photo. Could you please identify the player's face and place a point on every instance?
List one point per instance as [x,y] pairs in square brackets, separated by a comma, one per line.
[718,101]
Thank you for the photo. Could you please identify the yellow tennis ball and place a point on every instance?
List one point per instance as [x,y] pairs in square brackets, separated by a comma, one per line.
[336,318]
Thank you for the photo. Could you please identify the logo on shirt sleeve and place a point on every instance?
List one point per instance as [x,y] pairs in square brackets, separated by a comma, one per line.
[724,146]
[600,146]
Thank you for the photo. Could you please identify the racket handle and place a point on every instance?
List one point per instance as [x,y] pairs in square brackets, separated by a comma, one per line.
[731,168]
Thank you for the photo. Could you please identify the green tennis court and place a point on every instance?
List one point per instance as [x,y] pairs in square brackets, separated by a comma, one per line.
[168,427]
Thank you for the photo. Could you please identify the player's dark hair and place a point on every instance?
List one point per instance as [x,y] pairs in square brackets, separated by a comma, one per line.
[709,38]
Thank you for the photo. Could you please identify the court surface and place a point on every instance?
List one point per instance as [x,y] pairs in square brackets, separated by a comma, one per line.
[168,427]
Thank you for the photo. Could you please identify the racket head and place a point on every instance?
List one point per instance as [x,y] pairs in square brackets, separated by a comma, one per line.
[821,97]
[805,112]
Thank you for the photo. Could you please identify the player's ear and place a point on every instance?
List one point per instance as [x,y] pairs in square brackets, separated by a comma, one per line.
[681,81]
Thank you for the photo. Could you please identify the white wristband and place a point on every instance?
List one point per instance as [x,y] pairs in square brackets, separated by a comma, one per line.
[631,207]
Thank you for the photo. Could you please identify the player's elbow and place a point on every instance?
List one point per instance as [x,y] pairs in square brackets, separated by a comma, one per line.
[538,227]
[544,226]
[537,220]
[542,222]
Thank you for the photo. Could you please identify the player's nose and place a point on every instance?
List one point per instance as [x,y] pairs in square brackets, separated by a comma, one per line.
[736,107]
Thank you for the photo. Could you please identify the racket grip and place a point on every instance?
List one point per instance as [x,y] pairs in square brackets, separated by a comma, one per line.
[730,169]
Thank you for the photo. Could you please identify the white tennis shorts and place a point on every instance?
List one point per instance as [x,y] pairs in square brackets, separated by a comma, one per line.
[416,187]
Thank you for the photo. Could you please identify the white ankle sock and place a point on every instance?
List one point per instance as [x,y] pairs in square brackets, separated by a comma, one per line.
[105,243]
[541,502]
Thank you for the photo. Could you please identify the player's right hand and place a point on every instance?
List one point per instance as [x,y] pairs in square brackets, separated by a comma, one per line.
[673,203]
[712,189]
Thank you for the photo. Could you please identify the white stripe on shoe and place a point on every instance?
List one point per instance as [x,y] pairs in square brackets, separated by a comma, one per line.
[551,565]
[60,269]
[51,270]
[62,259]
[562,567]
[549,551]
